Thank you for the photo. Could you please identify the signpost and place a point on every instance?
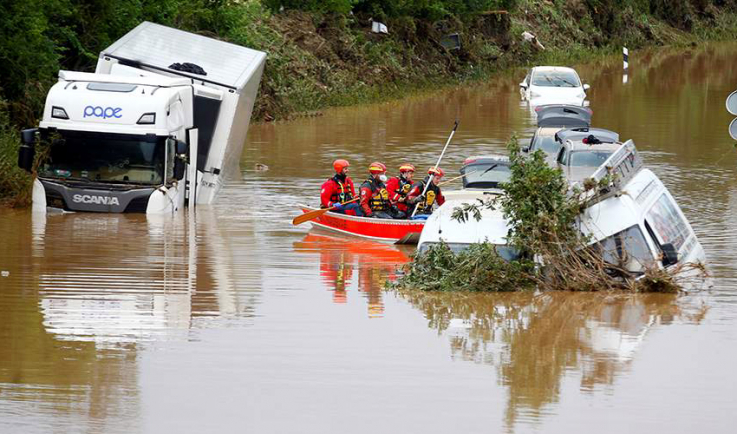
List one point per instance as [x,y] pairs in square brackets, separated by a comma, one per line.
[732,109]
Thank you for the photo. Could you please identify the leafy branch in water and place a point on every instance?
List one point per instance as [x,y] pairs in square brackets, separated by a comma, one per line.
[543,217]
[462,212]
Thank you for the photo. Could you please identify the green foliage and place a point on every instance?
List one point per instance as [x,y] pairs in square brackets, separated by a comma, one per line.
[478,268]
[423,9]
[537,204]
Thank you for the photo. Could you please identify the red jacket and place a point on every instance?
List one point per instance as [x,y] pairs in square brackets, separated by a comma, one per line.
[336,191]
[398,189]
[374,196]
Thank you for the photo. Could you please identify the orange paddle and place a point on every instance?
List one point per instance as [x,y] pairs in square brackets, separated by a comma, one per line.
[316,213]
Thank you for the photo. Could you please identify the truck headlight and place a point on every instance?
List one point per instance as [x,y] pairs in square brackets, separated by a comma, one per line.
[147,119]
[59,113]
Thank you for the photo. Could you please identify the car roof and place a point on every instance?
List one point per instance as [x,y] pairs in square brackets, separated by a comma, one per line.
[563,115]
[551,68]
[603,135]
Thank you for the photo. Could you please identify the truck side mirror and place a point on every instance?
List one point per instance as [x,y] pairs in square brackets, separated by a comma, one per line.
[182,148]
[27,151]
[28,136]
[179,166]
[670,254]
[180,159]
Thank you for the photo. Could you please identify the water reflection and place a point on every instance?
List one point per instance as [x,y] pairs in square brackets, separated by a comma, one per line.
[341,258]
[536,340]
[93,291]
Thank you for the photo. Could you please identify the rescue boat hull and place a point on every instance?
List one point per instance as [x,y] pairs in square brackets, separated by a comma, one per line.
[386,230]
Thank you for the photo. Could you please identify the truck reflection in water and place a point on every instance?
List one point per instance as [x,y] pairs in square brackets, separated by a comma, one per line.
[535,340]
[342,257]
[114,279]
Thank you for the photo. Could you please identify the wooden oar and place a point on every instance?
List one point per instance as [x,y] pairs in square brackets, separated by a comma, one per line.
[316,213]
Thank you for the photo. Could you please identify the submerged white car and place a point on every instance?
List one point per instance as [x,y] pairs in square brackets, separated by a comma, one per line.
[553,85]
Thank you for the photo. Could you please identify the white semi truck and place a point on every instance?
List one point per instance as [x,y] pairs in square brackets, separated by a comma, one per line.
[160,123]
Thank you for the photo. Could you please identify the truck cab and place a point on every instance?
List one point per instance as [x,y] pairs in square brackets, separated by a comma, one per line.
[144,132]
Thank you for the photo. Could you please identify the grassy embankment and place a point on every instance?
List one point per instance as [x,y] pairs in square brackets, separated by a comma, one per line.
[327,56]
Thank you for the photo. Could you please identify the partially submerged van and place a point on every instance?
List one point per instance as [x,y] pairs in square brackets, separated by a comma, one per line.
[636,222]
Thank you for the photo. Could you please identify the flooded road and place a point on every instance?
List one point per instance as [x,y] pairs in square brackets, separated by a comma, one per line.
[233,320]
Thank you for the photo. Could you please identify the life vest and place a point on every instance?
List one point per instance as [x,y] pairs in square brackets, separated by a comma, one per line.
[342,193]
[425,204]
[379,200]
[404,187]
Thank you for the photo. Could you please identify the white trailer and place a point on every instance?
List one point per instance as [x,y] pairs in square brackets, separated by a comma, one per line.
[165,111]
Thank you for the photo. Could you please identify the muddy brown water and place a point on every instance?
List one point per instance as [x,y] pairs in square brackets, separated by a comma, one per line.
[235,321]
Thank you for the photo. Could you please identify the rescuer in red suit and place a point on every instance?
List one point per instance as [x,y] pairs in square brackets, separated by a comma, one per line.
[431,197]
[374,195]
[338,190]
[399,187]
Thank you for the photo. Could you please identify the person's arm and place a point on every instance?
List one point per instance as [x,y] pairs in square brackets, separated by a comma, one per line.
[391,187]
[325,192]
[440,199]
[414,193]
[365,197]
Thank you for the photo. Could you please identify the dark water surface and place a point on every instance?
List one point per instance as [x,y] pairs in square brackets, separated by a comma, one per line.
[235,321]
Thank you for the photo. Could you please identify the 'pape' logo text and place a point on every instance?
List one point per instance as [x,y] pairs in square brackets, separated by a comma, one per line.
[100,112]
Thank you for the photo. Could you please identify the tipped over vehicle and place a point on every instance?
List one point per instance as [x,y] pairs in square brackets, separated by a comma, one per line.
[644,228]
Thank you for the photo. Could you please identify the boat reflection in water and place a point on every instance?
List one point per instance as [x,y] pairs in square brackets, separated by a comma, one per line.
[536,340]
[347,262]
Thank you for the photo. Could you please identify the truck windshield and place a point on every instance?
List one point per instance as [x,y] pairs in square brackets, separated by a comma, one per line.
[627,250]
[99,157]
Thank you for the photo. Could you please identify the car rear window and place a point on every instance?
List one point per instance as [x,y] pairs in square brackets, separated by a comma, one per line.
[547,144]
[486,175]
[589,158]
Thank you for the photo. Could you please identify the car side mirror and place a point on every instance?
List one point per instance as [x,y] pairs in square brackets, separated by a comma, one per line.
[586,87]
[523,85]
[525,149]
[670,254]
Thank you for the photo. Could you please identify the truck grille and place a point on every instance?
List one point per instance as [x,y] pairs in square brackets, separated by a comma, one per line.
[54,199]
[138,204]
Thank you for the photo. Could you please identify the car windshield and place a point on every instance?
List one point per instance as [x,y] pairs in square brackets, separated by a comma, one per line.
[106,158]
[547,144]
[589,158]
[555,79]
[486,175]
[627,250]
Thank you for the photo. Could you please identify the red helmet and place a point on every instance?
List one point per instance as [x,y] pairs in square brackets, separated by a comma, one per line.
[339,165]
[438,172]
[406,167]
[377,167]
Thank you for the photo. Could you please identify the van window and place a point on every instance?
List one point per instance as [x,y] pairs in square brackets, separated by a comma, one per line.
[667,223]
[626,249]
[562,156]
